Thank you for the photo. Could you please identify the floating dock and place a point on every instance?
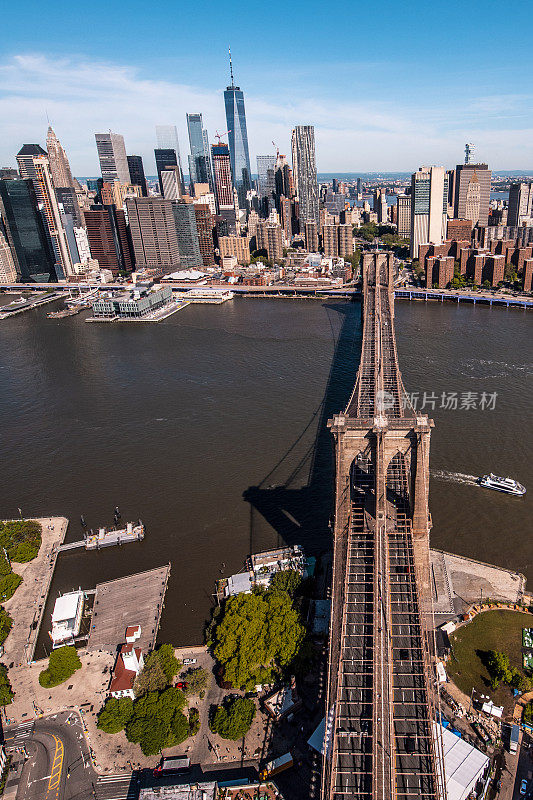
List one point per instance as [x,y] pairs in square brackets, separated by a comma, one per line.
[105,538]
[135,600]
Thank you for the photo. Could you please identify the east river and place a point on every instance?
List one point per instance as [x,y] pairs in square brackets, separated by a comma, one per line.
[210,427]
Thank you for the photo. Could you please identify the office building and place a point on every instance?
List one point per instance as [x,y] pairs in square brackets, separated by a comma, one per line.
[403,215]
[25,157]
[112,156]
[115,193]
[9,172]
[166,157]
[205,225]
[153,233]
[108,238]
[199,160]
[472,193]
[311,237]
[222,175]
[269,238]
[59,166]
[8,271]
[304,172]
[345,232]
[187,232]
[359,186]
[237,246]
[34,164]
[283,180]
[459,229]
[330,240]
[429,204]
[170,183]
[67,198]
[238,139]
[520,210]
[203,195]
[167,139]
[285,213]
[528,275]
[265,172]
[137,176]
[82,244]
[25,231]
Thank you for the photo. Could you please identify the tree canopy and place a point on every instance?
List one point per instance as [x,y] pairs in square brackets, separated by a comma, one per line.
[288,580]
[159,669]
[6,692]
[6,623]
[500,671]
[257,635]
[197,680]
[233,719]
[62,663]
[21,539]
[154,721]
[115,714]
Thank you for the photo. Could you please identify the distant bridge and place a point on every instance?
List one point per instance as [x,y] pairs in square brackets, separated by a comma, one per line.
[382,690]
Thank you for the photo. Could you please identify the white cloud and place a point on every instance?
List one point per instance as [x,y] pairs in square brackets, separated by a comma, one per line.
[83,96]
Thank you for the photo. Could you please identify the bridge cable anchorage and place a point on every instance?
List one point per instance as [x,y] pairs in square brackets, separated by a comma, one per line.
[381,740]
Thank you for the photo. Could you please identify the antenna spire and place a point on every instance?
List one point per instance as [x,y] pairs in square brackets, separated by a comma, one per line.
[231,67]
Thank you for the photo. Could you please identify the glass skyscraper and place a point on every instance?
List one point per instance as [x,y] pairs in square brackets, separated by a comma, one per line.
[238,140]
[199,161]
[304,172]
[25,231]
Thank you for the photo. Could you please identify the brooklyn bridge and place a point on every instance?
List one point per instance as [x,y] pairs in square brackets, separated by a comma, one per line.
[382,701]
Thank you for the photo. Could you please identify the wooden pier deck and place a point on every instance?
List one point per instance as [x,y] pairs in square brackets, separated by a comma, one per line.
[134,600]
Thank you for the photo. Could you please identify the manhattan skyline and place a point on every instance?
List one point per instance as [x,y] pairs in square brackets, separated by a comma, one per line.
[390,96]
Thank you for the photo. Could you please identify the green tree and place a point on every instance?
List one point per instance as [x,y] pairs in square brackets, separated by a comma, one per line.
[257,636]
[159,669]
[115,714]
[6,623]
[233,719]
[167,658]
[499,668]
[158,721]
[288,581]
[486,284]
[21,539]
[8,585]
[151,678]
[62,664]
[194,721]
[6,692]
[197,681]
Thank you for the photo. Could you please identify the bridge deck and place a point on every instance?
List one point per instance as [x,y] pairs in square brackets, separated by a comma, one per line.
[380,745]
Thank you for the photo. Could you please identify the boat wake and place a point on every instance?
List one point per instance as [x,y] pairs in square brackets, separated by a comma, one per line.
[454,477]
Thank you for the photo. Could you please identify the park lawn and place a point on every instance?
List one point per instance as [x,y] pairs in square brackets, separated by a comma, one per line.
[490,630]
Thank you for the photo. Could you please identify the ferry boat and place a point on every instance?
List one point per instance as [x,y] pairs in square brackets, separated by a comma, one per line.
[507,485]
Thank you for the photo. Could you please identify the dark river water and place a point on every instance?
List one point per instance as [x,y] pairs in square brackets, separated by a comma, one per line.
[210,426]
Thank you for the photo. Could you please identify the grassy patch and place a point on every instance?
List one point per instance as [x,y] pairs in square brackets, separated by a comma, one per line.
[491,630]
[21,539]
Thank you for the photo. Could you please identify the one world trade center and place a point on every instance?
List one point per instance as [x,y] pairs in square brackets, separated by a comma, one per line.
[238,139]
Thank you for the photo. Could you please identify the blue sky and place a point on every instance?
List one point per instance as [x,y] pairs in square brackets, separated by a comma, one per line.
[388,86]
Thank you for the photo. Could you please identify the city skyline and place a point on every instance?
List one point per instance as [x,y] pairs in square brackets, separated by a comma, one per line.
[388,108]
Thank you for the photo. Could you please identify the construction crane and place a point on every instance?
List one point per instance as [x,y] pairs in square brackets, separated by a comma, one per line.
[277,150]
[220,136]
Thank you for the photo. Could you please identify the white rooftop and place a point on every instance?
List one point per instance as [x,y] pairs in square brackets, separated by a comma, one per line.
[66,606]
[241,582]
[187,275]
[463,765]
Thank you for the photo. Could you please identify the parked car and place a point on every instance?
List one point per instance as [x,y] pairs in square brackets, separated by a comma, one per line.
[523,787]
[187,661]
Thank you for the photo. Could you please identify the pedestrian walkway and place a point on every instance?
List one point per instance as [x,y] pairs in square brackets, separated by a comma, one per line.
[28,603]
[117,787]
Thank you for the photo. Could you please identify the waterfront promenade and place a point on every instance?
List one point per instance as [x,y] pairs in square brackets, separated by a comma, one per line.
[27,605]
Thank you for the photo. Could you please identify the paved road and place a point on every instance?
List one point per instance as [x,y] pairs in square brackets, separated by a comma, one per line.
[58,765]
[117,787]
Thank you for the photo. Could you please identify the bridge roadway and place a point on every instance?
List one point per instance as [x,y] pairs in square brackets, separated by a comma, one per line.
[381,688]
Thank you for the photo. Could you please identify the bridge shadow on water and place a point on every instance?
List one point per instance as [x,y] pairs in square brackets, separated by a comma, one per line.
[296,496]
